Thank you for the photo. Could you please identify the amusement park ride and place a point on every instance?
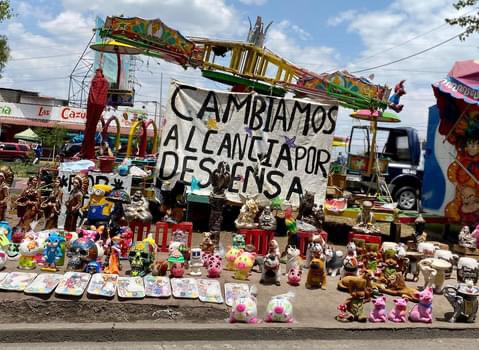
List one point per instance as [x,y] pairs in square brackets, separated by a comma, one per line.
[246,66]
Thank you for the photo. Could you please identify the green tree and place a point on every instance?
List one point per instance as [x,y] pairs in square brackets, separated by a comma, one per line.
[5,13]
[52,137]
[469,21]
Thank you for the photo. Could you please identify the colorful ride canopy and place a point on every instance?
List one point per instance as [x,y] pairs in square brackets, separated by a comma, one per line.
[246,64]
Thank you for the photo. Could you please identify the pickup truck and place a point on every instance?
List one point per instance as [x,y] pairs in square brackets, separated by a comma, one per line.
[400,149]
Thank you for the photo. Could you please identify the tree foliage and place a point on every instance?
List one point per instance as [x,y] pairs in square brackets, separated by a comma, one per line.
[52,136]
[5,13]
[469,21]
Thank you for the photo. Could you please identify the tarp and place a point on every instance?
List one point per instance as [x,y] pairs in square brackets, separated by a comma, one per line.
[28,135]
[273,146]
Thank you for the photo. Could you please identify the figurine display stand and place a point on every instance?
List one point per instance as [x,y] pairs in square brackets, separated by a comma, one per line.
[259,238]
[17,281]
[463,298]
[234,291]
[184,288]
[209,291]
[44,284]
[157,286]
[103,285]
[73,284]
[130,288]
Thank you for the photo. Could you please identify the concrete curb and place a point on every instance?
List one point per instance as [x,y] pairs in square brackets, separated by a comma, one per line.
[137,332]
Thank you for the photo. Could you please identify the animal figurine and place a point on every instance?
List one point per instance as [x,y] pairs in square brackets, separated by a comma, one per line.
[378,314]
[230,258]
[350,267]
[399,312]
[52,252]
[238,241]
[177,270]
[244,310]
[314,250]
[316,274]
[214,266]
[294,276]
[351,249]
[334,260]
[279,309]
[292,258]
[248,212]
[422,311]
[273,247]
[30,247]
[352,283]
[463,298]
[243,265]
[207,245]
[159,267]
[270,270]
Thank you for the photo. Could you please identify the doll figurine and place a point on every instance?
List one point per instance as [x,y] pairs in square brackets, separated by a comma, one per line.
[74,202]
[51,207]
[28,204]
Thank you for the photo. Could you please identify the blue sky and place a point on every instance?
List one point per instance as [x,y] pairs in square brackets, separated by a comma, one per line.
[48,36]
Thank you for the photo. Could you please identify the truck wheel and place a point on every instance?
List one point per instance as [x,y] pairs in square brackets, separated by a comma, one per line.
[406,198]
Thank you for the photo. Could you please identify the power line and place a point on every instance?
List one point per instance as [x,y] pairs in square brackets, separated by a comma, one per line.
[410,56]
[43,57]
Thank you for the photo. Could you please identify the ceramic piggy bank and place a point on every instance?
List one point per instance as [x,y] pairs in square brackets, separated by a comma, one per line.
[214,266]
[230,258]
[378,314]
[294,276]
[244,310]
[399,312]
[243,265]
[422,311]
[279,310]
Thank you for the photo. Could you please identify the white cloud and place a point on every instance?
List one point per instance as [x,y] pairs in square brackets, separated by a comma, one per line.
[254,2]
[345,16]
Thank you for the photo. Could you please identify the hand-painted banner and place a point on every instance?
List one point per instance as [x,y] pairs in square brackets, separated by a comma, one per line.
[273,146]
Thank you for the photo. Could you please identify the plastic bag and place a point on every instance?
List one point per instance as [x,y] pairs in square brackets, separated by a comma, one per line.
[280,308]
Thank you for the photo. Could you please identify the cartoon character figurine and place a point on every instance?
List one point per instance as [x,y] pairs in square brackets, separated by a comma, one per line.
[29,248]
[394,99]
[238,241]
[99,207]
[243,265]
[114,259]
[195,262]
[52,252]
[230,258]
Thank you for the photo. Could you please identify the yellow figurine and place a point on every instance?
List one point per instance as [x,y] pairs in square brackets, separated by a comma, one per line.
[98,208]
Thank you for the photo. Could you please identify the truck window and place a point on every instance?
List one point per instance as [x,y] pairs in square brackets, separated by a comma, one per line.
[402,146]
[10,148]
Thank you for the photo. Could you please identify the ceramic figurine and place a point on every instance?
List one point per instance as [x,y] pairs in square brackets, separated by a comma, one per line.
[126,241]
[419,234]
[51,207]
[434,272]
[114,259]
[365,220]
[4,196]
[399,312]
[292,258]
[466,239]
[316,274]
[334,260]
[28,204]
[467,268]
[463,298]
[266,220]
[238,241]
[378,314]
[448,256]
[195,262]
[273,248]
[422,311]
[243,265]
[140,259]
[159,267]
[343,315]
[314,250]
[305,210]
[294,276]
[208,246]
[177,270]
[270,270]
[74,202]
[248,212]
[214,266]
[99,208]
[279,309]
[320,217]
[244,310]
[230,258]
[83,256]
[28,249]
[355,306]
[52,252]
[138,209]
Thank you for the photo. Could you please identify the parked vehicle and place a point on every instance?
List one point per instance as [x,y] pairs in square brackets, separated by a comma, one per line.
[400,162]
[17,152]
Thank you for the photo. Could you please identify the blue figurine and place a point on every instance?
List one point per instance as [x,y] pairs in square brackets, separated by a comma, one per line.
[52,251]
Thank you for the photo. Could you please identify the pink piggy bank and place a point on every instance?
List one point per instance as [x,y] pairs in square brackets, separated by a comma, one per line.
[177,270]
[422,311]
[214,266]
[244,310]
[399,313]
[378,314]
[294,276]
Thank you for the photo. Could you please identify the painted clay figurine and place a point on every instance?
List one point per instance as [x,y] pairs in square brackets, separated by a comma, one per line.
[365,220]
[247,215]
[138,209]
[466,239]
[279,309]
[266,220]
[422,311]
[99,208]
[230,258]
[51,207]
[378,314]
[463,298]
[334,260]
[195,262]
[140,259]
[28,204]
[52,252]
[270,270]
[399,313]
[243,265]
[238,241]
[316,274]
[30,247]
[292,259]
[83,256]
[214,266]
[75,202]
[114,259]
[4,196]
[294,276]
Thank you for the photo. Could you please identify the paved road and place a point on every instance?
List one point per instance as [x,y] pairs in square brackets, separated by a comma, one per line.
[436,344]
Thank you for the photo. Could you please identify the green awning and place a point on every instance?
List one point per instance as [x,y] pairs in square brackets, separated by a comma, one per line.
[27,135]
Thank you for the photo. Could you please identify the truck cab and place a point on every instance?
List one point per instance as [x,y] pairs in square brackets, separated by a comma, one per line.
[399,162]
